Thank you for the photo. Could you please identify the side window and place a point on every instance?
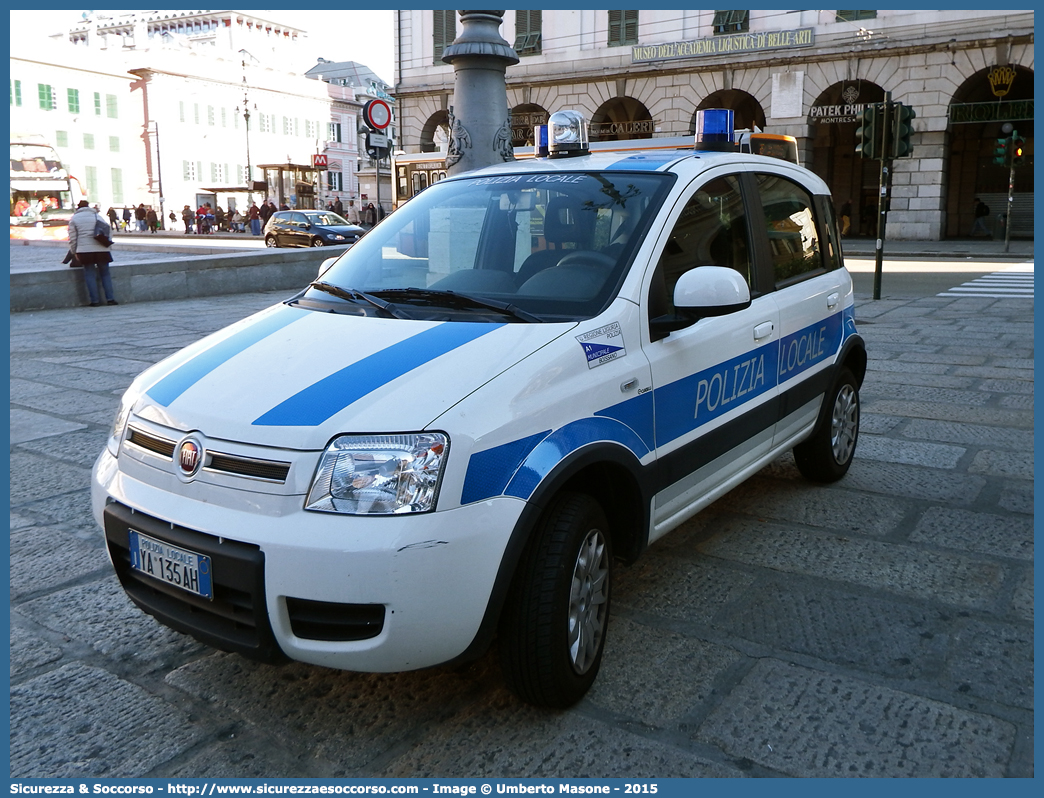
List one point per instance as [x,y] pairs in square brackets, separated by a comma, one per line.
[711,231]
[793,231]
[298,220]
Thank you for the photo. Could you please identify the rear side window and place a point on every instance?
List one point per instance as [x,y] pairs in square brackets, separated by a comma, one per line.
[793,231]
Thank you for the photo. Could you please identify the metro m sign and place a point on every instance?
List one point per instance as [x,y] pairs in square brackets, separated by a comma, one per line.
[319,161]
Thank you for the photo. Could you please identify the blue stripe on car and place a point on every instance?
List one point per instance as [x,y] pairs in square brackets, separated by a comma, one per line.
[322,400]
[646,162]
[660,416]
[565,440]
[193,370]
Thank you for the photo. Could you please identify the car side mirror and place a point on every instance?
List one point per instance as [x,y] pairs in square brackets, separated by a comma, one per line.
[325,266]
[702,292]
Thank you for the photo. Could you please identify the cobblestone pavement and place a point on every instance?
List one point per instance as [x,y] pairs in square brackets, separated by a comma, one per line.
[881,626]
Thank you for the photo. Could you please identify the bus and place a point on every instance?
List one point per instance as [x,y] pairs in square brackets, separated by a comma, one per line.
[414,172]
[43,193]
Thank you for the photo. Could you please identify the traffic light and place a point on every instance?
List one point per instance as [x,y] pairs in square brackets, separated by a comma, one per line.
[903,121]
[1018,149]
[868,134]
[1002,152]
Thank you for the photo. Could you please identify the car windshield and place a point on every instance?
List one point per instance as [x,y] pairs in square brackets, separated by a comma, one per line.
[328,218]
[549,246]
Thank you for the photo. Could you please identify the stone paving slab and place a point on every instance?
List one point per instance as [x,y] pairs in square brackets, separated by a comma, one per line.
[812,724]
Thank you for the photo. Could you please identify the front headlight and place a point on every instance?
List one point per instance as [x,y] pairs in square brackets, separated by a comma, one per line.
[379,474]
[336,237]
[119,424]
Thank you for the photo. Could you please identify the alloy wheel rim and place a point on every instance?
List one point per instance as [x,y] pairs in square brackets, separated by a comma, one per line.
[844,424]
[588,602]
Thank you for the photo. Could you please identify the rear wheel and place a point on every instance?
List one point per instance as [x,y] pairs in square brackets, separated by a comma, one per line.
[553,628]
[826,456]
[270,241]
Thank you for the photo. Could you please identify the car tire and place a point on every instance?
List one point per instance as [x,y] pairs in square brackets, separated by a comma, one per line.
[318,242]
[270,241]
[553,627]
[826,456]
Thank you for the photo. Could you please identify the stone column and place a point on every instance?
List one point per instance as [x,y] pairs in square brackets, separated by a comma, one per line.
[479,119]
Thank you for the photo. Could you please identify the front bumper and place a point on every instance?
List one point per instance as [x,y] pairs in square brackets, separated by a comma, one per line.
[379,594]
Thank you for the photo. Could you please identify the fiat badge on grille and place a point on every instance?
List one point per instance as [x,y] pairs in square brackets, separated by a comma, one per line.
[190,457]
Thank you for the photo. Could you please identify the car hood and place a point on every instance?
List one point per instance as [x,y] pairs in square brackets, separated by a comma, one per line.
[295,378]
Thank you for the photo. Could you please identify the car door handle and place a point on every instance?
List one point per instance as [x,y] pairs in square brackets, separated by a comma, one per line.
[763,330]
[833,299]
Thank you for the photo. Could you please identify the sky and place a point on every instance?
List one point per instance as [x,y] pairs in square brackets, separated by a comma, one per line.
[363,36]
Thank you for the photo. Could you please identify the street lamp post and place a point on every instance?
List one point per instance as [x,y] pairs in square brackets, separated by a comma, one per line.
[249,175]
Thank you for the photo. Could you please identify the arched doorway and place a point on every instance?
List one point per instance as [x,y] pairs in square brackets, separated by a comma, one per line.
[524,118]
[978,114]
[834,117]
[621,119]
[746,110]
[435,133]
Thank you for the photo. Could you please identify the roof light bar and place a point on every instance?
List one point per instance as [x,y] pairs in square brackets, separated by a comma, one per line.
[567,134]
[715,129]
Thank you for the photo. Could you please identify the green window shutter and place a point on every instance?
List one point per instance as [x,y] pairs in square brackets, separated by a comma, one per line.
[114,143]
[16,93]
[46,95]
[88,141]
[73,97]
[117,186]
[110,106]
[444,31]
[61,138]
[91,179]
[623,28]
[97,104]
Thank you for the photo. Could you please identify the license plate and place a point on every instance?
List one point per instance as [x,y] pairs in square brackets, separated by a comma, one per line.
[179,567]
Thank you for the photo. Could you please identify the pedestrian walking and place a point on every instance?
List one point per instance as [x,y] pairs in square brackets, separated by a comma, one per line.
[255,219]
[139,217]
[126,218]
[86,251]
[113,222]
[982,213]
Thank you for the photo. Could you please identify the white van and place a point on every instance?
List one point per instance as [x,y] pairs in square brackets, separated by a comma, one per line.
[523,375]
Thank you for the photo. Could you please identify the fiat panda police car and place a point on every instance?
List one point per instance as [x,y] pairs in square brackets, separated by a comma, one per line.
[522,375]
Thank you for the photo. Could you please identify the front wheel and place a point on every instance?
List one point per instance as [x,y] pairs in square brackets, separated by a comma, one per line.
[318,242]
[826,456]
[552,632]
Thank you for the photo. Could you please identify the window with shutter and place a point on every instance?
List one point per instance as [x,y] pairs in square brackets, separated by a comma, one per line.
[623,28]
[731,21]
[444,31]
[528,32]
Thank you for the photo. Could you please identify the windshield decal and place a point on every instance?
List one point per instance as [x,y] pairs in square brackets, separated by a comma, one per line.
[332,394]
[603,345]
[196,368]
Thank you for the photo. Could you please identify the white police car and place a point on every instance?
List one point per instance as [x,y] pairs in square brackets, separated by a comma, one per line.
[525,373]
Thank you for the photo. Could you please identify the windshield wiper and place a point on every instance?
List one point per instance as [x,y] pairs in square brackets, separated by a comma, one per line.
[354,296]
[458,300]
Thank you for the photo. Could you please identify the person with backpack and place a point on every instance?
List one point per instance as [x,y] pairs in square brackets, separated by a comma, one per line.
[88,252]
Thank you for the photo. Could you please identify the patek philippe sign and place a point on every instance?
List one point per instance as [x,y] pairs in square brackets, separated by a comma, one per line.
[728,44]
[848,111]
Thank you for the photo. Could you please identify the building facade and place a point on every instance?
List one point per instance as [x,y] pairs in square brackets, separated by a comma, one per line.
[169,109]
[634,74]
